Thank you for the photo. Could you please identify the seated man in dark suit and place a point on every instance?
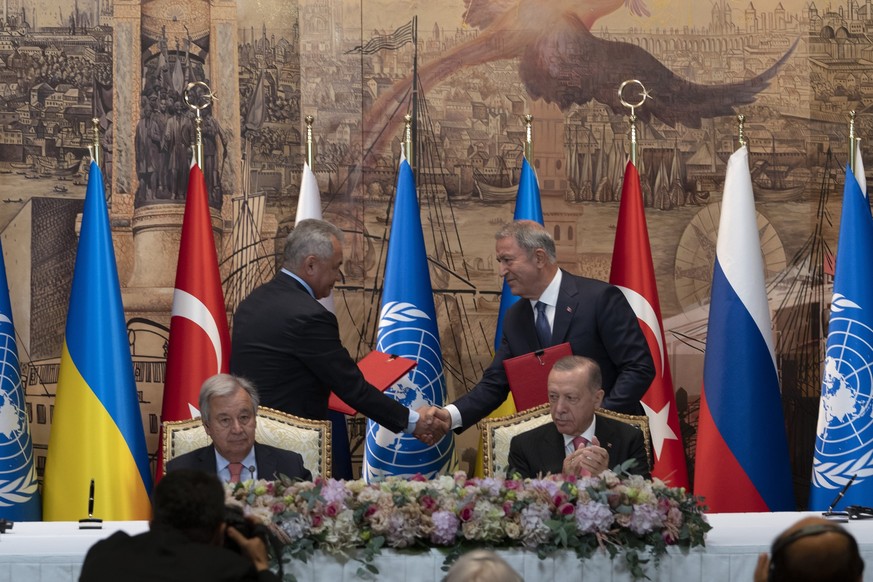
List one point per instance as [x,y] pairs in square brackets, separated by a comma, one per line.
[184,541]
[228,407]
[576,442]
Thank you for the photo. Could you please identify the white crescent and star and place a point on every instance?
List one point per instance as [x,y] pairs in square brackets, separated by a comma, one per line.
[658,419]
[191,308]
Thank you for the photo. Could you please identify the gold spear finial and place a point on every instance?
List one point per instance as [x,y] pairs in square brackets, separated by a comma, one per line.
[741,123]
[407,138]
[852,141]
[94,148]
[528,137]
[310,144]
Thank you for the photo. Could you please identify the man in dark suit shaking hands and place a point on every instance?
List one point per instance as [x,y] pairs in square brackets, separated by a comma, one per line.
[228,408]
[557,307]
[289,345]
[577,442]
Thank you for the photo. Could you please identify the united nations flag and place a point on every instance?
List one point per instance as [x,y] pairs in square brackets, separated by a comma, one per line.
[408,328]
[19,493]
[844,444]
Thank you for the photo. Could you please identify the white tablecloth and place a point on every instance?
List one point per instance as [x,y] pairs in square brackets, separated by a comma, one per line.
[53,552]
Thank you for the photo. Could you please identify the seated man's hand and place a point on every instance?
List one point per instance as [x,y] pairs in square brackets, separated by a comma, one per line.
[433,425]
[587,461]
[253,548]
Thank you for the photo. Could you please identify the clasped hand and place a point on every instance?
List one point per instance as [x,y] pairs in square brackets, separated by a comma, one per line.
[587,461]
[433,424]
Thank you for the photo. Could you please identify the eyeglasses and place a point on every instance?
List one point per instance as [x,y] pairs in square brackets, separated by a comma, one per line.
[226,422]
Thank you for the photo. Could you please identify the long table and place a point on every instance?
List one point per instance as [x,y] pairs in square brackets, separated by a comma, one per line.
[53,552]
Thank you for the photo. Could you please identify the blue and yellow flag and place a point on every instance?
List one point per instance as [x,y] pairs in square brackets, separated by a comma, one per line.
[408,327]
[19,491]
[844,444]
[97,431]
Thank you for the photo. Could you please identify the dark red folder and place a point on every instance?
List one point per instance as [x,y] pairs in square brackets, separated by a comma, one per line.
[380,370]
[528,375]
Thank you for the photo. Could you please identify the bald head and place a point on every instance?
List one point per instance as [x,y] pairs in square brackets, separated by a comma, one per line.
[815,550]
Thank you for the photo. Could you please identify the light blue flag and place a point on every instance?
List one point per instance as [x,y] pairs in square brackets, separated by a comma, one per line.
[19,493]
[844,445]
[408,328]
[527,207]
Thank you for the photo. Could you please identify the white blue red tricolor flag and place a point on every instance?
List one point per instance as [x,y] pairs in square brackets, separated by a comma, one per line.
[844,443]
[408,328]
[742,462]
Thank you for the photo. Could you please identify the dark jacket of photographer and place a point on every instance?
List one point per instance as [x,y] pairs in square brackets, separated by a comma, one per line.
[164,554]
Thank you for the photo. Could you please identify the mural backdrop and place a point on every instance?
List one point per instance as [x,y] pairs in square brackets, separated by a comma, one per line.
[469,71]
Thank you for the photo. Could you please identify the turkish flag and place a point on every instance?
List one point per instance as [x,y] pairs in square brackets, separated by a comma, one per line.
[634,273]
[199,344]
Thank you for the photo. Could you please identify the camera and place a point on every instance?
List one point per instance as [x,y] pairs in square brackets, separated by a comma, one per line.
[233,517]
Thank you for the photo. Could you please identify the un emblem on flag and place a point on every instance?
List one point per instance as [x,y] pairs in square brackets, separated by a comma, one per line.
[407,331]
[17,475]
[845,420]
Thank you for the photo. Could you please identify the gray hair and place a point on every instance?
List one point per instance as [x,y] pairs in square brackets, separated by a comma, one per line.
[590,368]
[530,236]
[224,385]
[310,237]
[481,566]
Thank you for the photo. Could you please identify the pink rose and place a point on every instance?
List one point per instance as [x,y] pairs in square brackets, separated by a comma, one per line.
[331,510]
[567,509]
[316,521]
[371,510]
[466,513]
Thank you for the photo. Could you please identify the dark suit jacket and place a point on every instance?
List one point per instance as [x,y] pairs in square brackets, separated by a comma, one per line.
[598,322]
[541,450]
[271,462]
[165,555]
[289,346]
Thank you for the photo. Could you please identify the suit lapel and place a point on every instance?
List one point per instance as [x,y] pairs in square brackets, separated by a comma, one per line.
[266,462]
[568,299]
[525,323]
[605,433]
[554,451]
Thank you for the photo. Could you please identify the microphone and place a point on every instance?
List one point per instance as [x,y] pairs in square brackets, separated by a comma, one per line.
[830,513]
[252,470]
[91,522]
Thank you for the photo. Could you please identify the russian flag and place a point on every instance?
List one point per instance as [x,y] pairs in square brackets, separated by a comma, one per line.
[742,462]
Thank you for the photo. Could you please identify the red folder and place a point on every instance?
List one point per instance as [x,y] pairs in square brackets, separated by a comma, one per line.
[528,375]
[380,370]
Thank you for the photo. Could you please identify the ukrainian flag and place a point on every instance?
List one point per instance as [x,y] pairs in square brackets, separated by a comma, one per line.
[97,431]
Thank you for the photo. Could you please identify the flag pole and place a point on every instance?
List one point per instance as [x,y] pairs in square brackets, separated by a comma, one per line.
[208,97]
[741,125]
[528,137]
[407,139]
[310,145]
[633,116]
[94,148]
[852,142]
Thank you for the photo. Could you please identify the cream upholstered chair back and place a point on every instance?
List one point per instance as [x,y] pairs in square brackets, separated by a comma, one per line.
[310,438]
[498,432]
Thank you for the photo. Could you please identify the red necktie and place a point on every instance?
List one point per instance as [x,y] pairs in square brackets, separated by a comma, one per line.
[579,442]
[235,471]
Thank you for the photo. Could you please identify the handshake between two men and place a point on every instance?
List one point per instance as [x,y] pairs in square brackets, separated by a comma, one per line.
[433,424]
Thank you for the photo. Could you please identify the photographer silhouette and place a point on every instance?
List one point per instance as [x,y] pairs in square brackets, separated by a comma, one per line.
[184,542]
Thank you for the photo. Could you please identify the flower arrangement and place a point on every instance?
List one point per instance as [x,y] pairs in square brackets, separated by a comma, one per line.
[629,517]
